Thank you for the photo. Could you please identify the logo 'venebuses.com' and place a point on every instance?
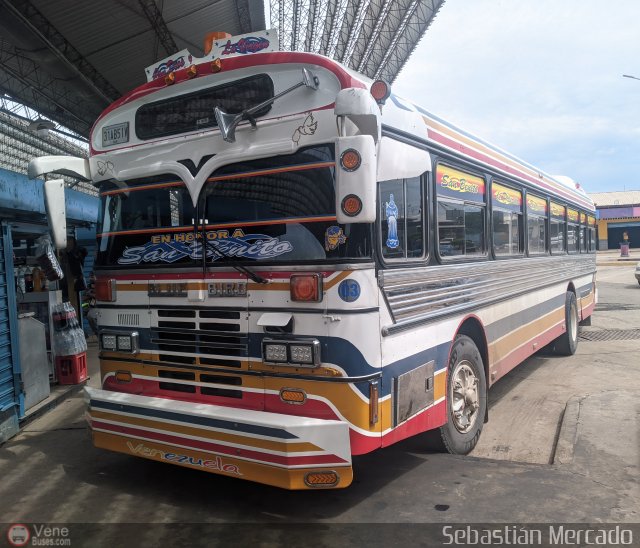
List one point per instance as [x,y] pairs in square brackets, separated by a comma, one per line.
[18,535]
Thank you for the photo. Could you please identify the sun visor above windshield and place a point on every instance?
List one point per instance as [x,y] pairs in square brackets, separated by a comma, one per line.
[401,161]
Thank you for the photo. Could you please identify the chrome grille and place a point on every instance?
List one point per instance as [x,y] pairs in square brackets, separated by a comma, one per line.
[201,337]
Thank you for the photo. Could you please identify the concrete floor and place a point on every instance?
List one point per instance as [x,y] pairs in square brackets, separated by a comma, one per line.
[561,445]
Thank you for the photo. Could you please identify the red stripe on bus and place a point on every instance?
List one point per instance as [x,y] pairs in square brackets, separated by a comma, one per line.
[466,150]
[250,454]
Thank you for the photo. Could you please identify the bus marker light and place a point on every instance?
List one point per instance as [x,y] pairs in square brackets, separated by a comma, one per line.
[322,479]
[293,395]
[170,78]
[216,65]
[123,376]
[351,205]
[306,287]
[350,159]
[380,91]
[192,71]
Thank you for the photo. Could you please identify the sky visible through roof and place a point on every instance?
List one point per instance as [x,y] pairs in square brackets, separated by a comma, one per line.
[541,79]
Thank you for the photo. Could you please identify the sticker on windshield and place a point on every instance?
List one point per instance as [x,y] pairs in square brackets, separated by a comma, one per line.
[175,247]
[333,237]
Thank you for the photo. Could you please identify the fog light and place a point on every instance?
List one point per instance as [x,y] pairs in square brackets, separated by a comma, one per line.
[109,342]
[301,353]
[124,343]
[275,353]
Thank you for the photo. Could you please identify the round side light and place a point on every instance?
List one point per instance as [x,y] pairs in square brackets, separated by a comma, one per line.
[170,78]
[350,159]
[380,91]
[216,65]
[192,71]
[351,205]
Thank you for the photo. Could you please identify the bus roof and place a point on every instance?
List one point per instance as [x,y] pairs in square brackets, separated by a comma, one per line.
[398,115]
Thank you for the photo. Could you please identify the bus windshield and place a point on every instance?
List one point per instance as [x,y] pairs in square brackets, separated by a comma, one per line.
[277,210]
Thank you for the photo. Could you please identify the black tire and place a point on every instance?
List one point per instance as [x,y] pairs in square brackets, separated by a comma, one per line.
[454,436]
[567,343]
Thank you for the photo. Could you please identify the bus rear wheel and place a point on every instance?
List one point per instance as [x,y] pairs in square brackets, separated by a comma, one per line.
[466,399]
[567,343]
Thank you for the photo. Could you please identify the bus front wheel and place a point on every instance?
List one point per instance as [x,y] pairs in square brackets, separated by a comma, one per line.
[466,398]
[567,343]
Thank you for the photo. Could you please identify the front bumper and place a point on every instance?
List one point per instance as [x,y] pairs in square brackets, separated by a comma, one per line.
[281,450]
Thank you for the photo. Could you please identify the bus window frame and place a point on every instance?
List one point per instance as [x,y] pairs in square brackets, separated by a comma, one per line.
[547,235]
[444,259]
[426,226]
[564,225]
[512,186]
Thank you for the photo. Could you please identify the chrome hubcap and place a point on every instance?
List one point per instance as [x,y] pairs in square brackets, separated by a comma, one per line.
[464,397]
[573,323]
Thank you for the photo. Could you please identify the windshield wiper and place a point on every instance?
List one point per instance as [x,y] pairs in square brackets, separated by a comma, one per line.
[239,268]
[228,122]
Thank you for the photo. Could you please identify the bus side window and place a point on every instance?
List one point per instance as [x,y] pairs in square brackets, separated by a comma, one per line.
[461,212]
[506,204]
[401,217]
[537,212]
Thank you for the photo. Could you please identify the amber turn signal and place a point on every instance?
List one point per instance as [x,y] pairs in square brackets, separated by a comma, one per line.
[351,205]
[322,479]
[293,395]
[123,376]
[216,65]
[350,160]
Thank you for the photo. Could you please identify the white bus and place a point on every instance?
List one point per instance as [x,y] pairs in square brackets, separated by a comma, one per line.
[296,266]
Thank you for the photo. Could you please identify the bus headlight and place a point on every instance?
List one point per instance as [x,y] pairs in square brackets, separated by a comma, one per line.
[109,342]
[120,342]
[300,353]
[276,353]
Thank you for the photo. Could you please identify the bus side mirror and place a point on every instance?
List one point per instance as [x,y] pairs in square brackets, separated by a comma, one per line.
[356,179]
[56,211]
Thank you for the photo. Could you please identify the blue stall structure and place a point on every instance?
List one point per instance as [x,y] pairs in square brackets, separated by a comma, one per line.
[22,220]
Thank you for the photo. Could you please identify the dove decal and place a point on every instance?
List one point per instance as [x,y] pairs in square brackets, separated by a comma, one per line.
[308,127]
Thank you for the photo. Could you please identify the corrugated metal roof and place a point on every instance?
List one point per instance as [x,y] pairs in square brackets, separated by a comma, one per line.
[619,198]
[68,59]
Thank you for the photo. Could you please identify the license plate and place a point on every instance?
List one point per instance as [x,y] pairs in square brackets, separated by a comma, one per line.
[116,134]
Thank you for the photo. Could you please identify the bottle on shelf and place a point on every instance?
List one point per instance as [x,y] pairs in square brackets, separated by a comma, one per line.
[37,284]
[21,283]
[28,280]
